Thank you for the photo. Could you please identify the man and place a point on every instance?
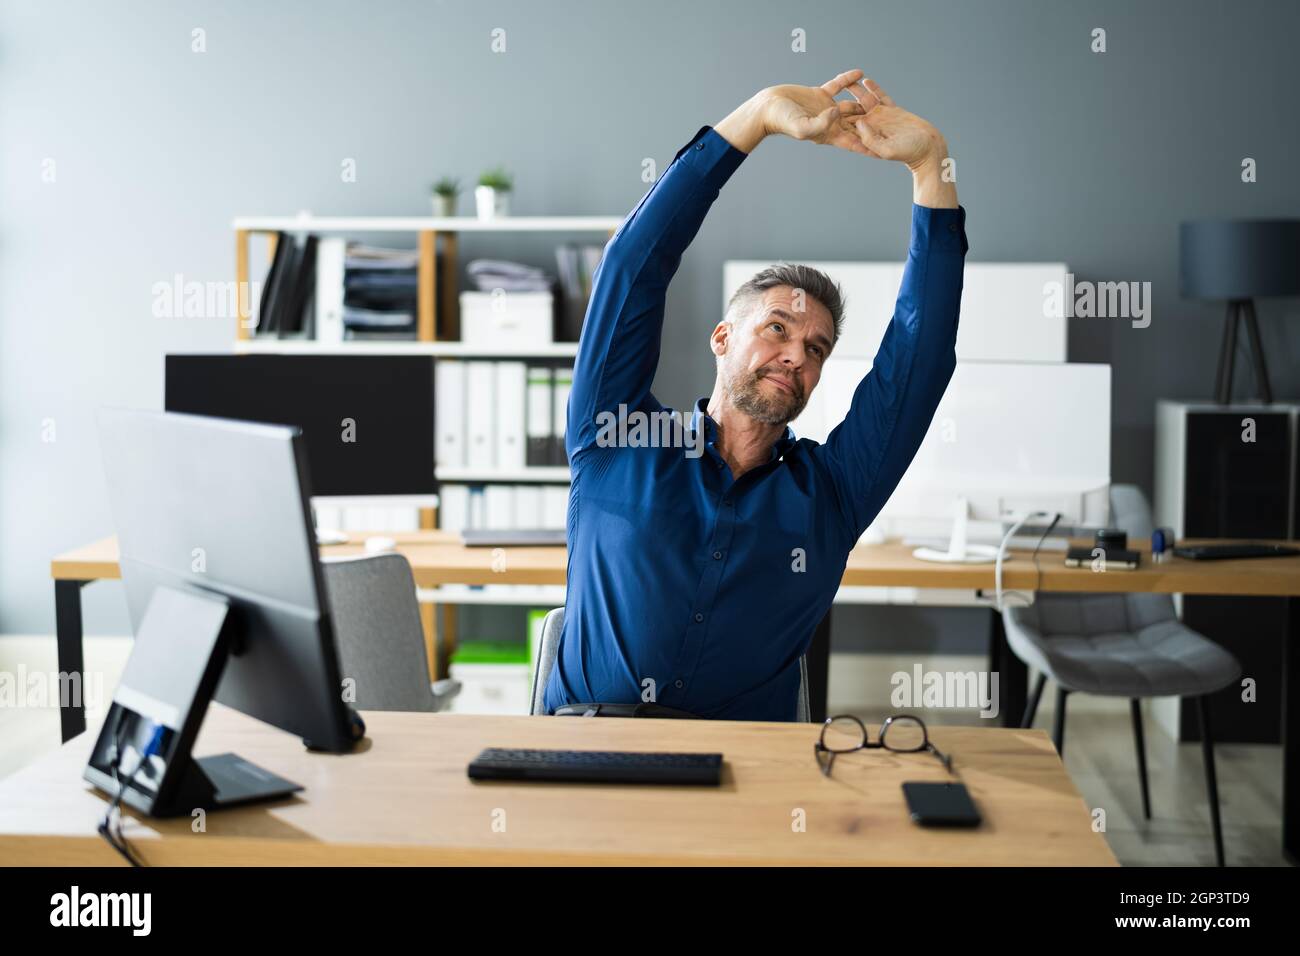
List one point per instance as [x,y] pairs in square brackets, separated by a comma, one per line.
[696,581]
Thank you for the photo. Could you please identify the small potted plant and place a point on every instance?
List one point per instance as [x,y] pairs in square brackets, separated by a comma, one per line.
[493,193]
[445,191]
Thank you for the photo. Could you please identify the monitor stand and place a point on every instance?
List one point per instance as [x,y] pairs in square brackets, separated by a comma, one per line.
[180,650]
[959,550]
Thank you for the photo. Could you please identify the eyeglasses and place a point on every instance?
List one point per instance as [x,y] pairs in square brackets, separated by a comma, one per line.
[901,734]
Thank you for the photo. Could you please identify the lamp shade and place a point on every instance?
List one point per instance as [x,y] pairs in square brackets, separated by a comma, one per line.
[1237,259]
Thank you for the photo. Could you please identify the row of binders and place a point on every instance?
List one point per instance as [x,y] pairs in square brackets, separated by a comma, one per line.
[500,415]
[502,507]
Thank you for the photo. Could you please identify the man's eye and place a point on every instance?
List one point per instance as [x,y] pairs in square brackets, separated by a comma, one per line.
[775,325]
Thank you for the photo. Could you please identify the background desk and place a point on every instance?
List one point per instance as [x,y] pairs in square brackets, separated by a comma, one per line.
[406,800]
[439,558]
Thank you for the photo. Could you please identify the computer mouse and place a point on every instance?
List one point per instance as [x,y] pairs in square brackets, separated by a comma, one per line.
[378,543]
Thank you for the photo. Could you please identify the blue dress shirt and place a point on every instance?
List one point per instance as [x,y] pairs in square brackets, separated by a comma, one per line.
[685,585]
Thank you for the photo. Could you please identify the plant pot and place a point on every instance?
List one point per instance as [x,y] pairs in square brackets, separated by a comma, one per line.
[444,206]
[491,202]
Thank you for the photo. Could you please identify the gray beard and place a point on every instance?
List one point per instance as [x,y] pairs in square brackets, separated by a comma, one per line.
[750,399]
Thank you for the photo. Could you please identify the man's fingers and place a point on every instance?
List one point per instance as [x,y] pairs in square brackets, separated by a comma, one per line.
[870,138]
[850,107]
[876,91]
[842,82]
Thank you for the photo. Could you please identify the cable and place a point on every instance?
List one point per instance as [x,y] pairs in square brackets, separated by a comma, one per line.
[1002,550]
[117,840]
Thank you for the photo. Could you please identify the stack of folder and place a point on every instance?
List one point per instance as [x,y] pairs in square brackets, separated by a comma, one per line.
[500,415]
[502,507]
[365,292]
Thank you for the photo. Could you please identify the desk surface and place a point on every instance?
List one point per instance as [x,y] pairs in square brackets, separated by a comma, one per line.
[406,799]
[439,557]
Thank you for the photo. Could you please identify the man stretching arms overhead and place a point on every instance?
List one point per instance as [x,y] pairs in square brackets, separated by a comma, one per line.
[697,580]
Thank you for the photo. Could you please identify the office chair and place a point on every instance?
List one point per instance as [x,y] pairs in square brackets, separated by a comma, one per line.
[1122,645]
[380,639]
[549,648]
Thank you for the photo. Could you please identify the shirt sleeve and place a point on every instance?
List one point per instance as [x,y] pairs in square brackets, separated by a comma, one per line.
[618,351]
[893,405]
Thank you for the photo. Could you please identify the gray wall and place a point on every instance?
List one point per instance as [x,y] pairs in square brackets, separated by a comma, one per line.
[1062,154]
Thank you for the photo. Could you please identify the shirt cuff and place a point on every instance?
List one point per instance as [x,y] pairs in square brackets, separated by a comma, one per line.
[711,156]
[943,229]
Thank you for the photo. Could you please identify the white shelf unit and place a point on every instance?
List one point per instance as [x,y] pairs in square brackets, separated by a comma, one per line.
[309,223]
[270,346]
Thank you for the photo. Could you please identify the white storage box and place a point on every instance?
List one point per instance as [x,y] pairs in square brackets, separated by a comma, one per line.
[491,688]
[505,320]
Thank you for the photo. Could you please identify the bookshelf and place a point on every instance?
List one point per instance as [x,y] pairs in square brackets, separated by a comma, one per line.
[437,335]
[429,230]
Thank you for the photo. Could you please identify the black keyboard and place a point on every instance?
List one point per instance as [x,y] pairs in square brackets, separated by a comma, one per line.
[1219,552]
[597,766]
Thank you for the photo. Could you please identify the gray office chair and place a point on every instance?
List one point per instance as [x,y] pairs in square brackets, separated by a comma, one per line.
[380,640]
[1122,645]
[544,662]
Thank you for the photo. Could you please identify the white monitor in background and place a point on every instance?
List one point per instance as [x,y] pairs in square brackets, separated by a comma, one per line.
[1008,439]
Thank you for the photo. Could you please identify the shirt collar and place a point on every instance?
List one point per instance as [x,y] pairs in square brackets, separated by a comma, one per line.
[779,447]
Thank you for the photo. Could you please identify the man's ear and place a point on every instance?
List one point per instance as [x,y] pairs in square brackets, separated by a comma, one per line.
[720,338]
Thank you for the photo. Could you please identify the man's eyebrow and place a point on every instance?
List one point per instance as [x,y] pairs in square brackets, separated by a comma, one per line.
[818,338]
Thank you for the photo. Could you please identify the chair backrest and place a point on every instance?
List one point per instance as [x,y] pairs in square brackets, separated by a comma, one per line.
[1074,613]
[1130,511]
[546,652]
[377,628]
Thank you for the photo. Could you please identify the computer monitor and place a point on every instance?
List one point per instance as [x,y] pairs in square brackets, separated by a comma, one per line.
[226,599]
[1008,439]
[368,419]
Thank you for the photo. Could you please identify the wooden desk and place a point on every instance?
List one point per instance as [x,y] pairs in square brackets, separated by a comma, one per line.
[439,558]
[405,799]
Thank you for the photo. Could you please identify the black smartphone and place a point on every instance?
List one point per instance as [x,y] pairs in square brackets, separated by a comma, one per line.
[941,805]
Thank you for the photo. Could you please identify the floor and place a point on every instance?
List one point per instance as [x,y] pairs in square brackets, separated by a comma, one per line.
[1099,756]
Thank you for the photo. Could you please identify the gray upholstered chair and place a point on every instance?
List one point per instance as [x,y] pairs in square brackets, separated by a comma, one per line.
[1122,645]
[544,663]
[377,630]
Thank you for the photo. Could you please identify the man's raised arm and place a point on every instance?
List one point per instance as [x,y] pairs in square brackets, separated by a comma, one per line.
[893,405]
[619,347]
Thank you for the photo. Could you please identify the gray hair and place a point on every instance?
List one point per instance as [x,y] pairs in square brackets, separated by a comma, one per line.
[813,282]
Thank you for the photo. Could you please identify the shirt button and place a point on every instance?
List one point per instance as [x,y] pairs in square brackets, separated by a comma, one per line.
[717,555]
[698,617]
[952,227]
[677,684]
[699,145]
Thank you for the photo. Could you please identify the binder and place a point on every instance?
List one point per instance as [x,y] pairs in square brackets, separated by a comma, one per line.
[293,319]
[539,416]
[479,415]
[477,517]
[499,507]
[453,507]
[330,256]
[528,506]
[275,290]
[449,414]
[560,410]
[510,385]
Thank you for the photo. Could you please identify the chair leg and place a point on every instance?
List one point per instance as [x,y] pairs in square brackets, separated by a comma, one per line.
[1135,705]
[1211,785]
[1031,705]
[1058,728]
